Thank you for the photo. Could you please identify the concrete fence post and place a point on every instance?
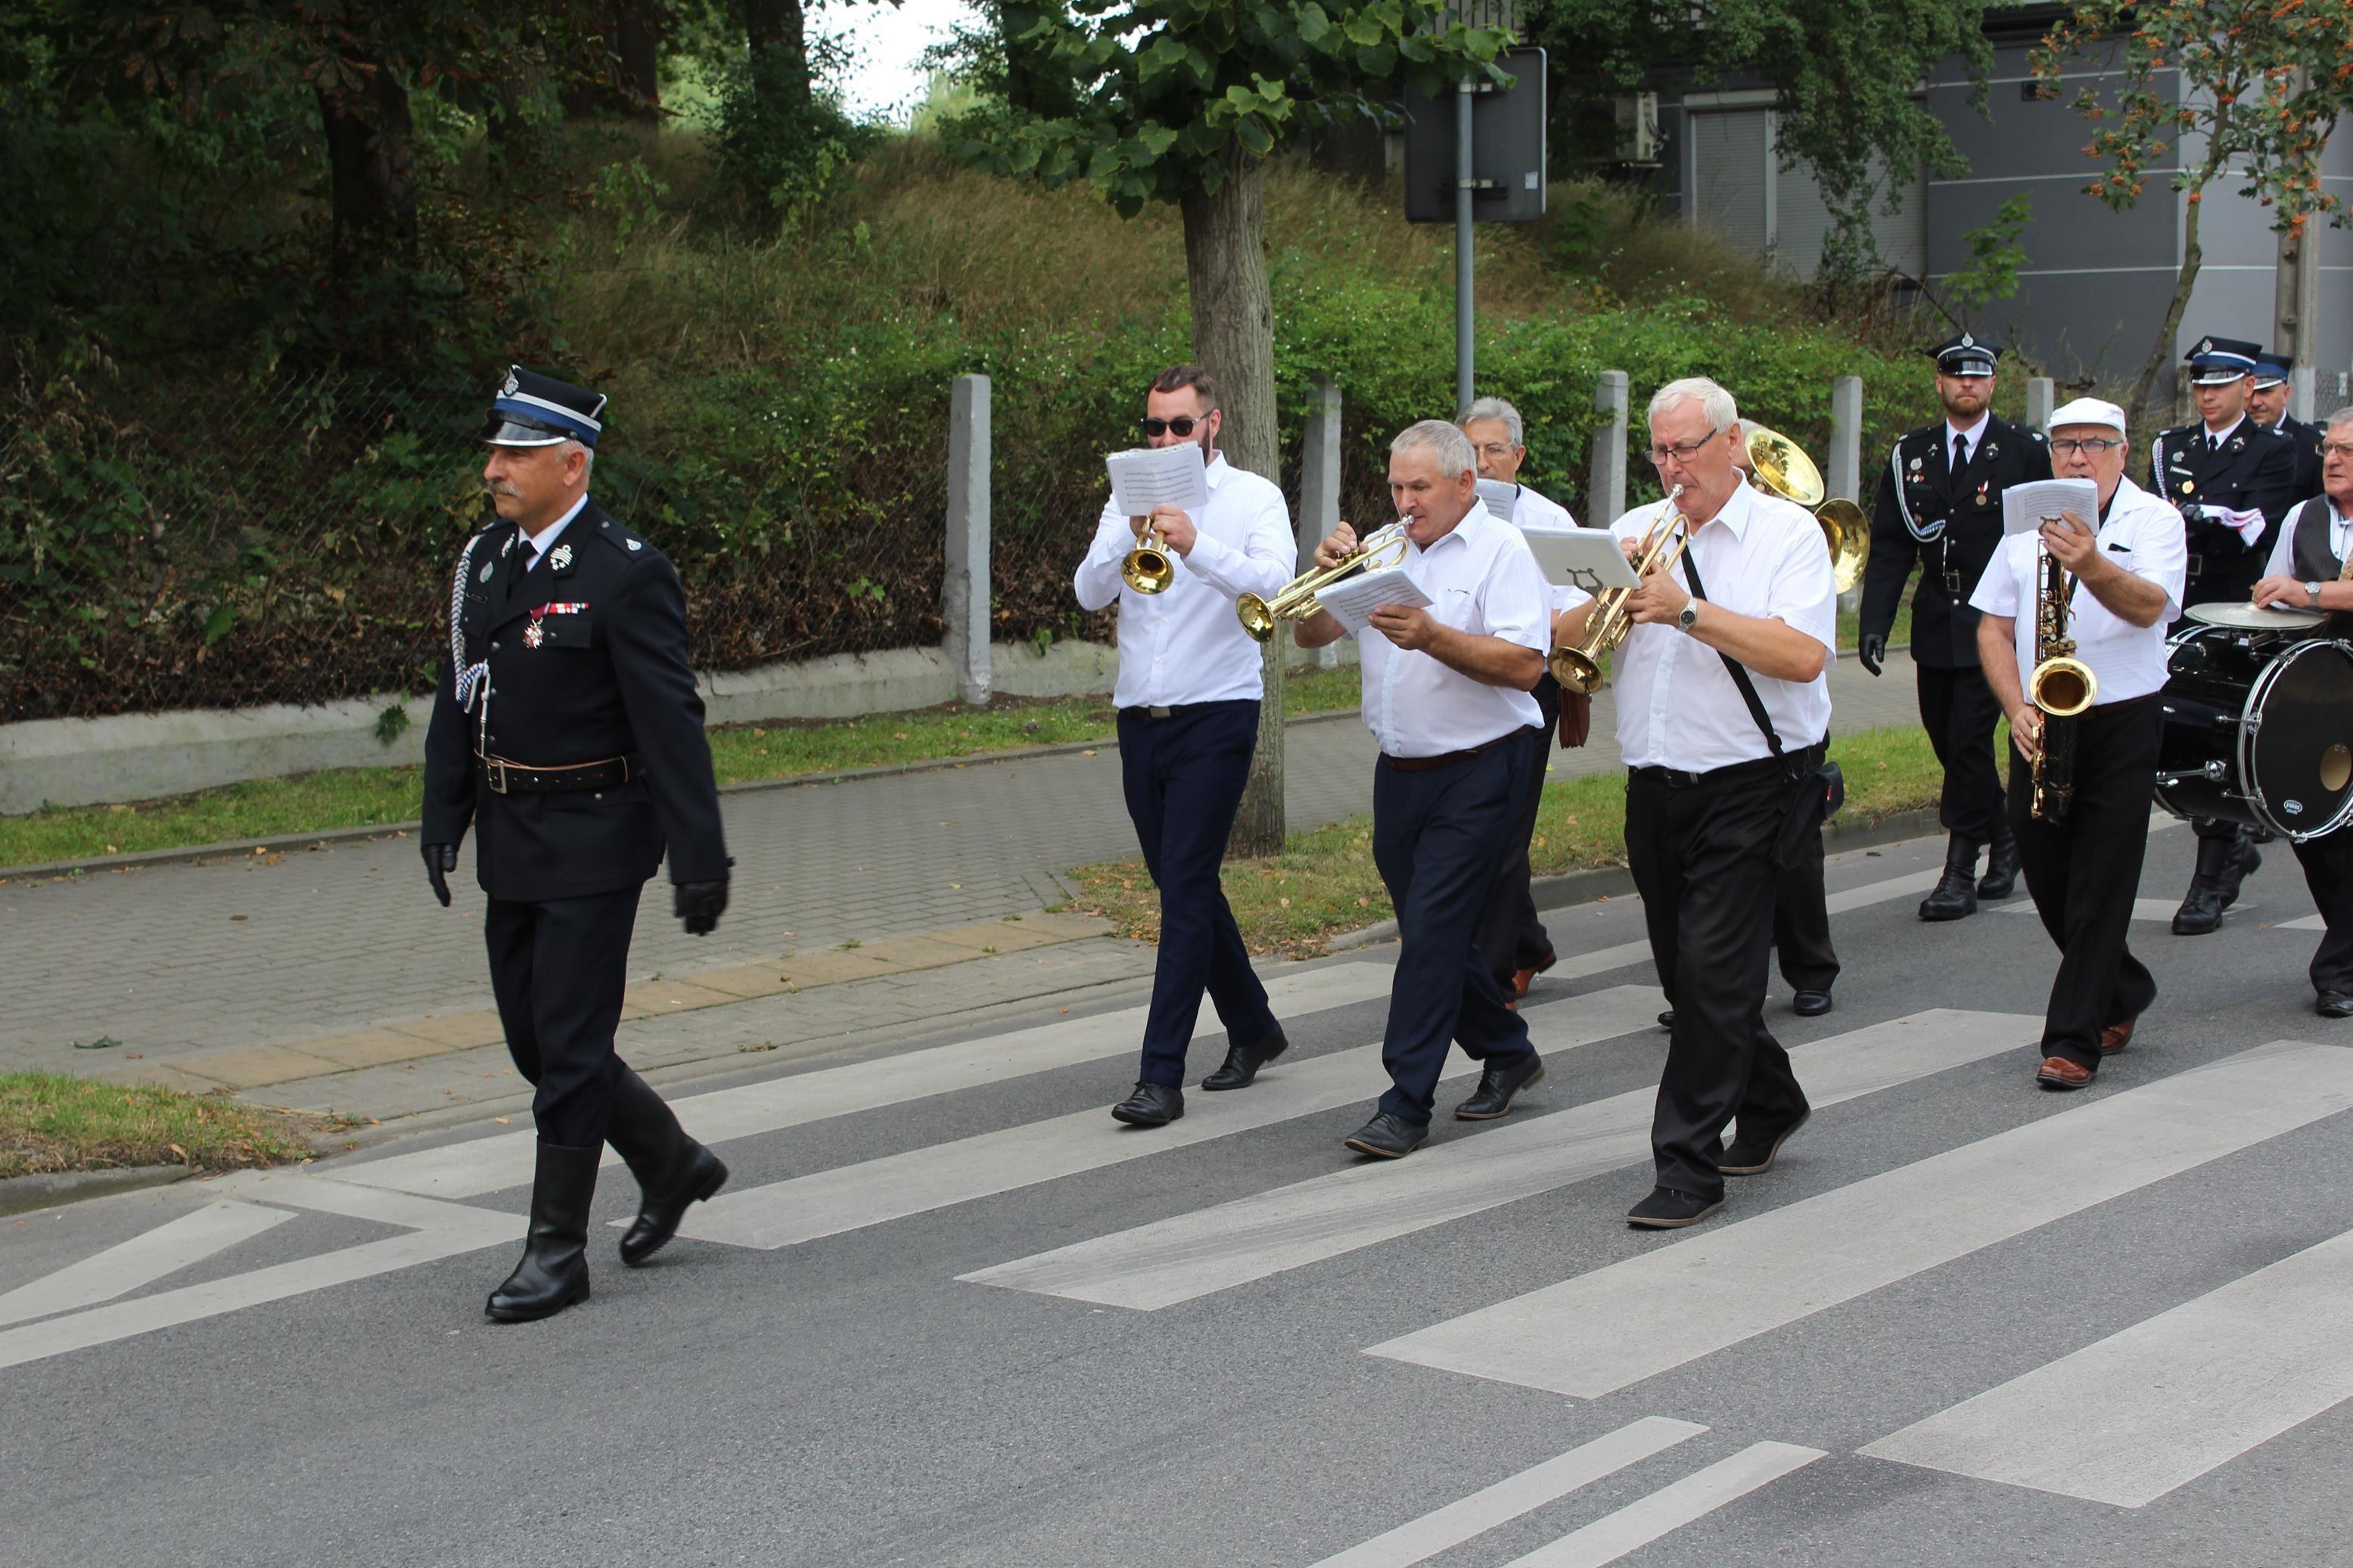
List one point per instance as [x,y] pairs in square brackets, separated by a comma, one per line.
[1605,493]
[2041,398]
[964,597]
[1844,475]
[1319,487]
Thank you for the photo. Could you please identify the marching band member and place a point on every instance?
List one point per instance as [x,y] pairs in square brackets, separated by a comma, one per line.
[2306,571]
[1940,502]
[2123,581]
[1713,787]
[2267,406]
[1511,934]
[1187,695]
[2233,481]
[1446,694]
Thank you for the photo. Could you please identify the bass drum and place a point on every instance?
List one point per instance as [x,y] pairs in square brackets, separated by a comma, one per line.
[2258,730]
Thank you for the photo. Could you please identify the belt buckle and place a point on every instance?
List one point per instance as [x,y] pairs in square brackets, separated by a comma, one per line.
[2197,564]
[1159,712]
[496,767]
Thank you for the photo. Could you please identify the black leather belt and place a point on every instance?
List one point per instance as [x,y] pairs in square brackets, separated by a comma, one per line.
[503,775]
[1168,710]
[1678,778]
[1444,759]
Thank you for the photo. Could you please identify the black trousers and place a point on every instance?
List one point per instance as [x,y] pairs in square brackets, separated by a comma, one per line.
[1702,855]
[1183,777]
[2084,872]
[1510,934]
[2328,873]
[1801,919]
[1438,837]
[1958,710]
[557,970]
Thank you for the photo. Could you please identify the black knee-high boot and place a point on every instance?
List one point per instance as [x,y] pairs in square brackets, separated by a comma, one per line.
[554,1272]
[673,1170]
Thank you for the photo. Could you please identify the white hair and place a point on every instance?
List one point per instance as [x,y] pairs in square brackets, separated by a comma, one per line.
[1443,441]
[587,456]
[1494,408]
[1714,401]
[2342,417]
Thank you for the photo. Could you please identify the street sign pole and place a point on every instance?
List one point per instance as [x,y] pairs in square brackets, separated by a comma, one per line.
[1466,182]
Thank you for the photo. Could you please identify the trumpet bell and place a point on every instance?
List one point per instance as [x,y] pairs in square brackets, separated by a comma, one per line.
[1576,671]
[1782,466]
[1256,618]
[1148,570]
[1848,532]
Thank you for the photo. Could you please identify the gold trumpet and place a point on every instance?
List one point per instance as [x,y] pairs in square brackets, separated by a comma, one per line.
[1147,568]
[1296,599]
[1780,468]
[1578,666]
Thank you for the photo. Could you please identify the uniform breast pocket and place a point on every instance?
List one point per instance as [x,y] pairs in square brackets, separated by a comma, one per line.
[1452,606]
[574,630]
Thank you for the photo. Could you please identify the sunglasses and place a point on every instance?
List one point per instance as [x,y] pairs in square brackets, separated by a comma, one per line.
[1183,425]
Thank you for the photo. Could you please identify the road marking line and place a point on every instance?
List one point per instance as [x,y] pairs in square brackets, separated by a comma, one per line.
[1206,1250]
[874,1192]
[1671,1507]
[327,1195]
[2130,1418]
[1578,966]
[1616,1326]
[1532,1488]
[2309,922]
[2159,910]
[504,1161]
[141,1261]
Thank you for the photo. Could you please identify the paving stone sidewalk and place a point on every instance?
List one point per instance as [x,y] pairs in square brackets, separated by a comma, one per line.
[178,963]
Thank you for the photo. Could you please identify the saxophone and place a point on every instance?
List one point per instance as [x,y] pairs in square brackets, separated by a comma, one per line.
[2061,688]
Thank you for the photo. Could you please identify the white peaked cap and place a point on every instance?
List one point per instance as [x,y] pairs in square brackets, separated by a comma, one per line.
[2089,411]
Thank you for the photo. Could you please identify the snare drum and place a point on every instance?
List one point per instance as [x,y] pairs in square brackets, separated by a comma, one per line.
[2258,730]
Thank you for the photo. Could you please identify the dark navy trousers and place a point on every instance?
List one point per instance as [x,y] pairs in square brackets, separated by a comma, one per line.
[1184,776]
[557,970]
[1440,837]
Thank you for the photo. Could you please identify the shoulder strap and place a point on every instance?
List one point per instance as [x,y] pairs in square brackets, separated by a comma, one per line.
[1738,671]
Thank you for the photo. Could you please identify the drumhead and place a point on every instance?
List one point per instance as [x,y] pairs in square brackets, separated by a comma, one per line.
[2297,758]
[2253,619]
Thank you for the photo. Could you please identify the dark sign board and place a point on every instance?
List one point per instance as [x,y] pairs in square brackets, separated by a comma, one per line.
[1507,149]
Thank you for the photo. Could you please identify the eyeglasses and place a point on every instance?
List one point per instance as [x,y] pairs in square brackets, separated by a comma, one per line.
[2337,448]
[1183,425]
[2095,444]
[1686,451]
[1497,449]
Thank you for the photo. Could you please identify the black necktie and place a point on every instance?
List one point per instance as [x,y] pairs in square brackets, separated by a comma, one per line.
[1960,453]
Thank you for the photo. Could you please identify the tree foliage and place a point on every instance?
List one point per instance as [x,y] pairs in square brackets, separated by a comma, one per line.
[2244,89]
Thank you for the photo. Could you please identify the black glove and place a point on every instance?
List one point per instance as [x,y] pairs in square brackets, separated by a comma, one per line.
[440,859]
[1872,649]
[700,905]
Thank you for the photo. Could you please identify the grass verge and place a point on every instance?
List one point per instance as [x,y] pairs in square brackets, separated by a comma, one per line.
[366,797]
[1326,881]
[52,1123]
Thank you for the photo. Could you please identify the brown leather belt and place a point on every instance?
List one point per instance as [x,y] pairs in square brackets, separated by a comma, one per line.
[503,775]
[1443,759]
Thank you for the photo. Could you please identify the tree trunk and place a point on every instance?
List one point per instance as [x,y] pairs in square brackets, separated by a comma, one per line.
[779,35]
[1233,339]
[628,81]
[2194,255]
[372,170]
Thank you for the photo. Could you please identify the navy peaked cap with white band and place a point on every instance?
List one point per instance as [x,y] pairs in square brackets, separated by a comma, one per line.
[1965,355]
[2214,362]
[534,410]
[2272,367]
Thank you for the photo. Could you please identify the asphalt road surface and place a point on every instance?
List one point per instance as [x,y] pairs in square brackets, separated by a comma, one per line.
[945,1312]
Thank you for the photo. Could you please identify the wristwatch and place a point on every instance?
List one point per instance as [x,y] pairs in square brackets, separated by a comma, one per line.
[1688,617]
[2312,594]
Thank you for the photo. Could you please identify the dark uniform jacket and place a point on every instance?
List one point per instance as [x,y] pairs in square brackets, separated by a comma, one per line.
[588,660]
[2254,471]
[2306,439]
[1915,487]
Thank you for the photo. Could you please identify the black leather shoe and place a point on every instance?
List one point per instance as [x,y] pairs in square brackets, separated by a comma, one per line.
[554,1272]
[2334,1005]
[1390,1136]
[1667,1019]
[1956,896]
[1812,1003]
[2001,879]
[1668,1209]
[1501,1077]
[673,1171]
[1243,1062]
[2202,906]
[1152,1105]
[1746,1156]
[2244,862]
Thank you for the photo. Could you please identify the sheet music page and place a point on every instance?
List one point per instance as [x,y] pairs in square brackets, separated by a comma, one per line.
[2023,507]
[1501,496]
[1353,601]
[1147,477]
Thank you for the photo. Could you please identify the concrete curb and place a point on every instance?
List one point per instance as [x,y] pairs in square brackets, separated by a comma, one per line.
[23,1195]
[234,848]
[1615,881]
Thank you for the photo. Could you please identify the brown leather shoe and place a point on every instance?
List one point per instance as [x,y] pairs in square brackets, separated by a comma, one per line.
[2058,1072]
[1520,977]
[2116,1036]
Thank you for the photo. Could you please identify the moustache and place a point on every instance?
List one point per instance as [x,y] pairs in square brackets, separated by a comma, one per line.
[502,487]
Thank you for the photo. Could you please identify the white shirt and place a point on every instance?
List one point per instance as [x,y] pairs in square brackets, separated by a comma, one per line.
[1185,644]
[535,546]
[1975,435]
[1481,579]
[2213,438]
[1678,707]
[2282,561]
[1533,510]
[2142,534]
